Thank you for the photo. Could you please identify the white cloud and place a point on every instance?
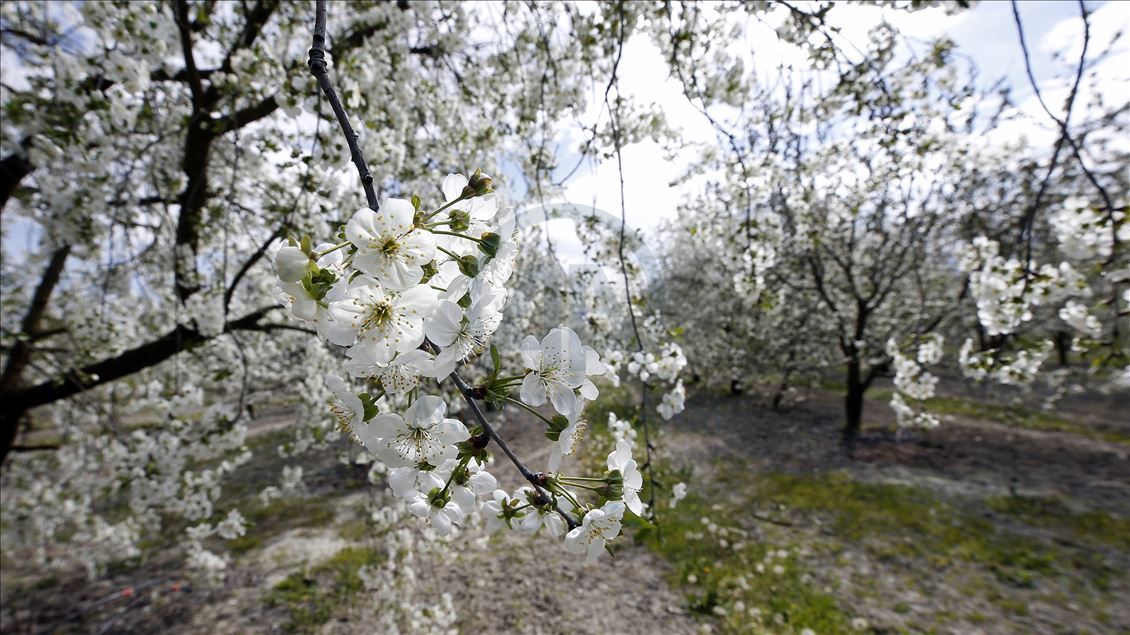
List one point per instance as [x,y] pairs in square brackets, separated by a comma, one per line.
[1067,35]
[648,192]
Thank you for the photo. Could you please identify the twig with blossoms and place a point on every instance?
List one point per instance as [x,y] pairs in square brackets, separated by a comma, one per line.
[412,296]
[537,480]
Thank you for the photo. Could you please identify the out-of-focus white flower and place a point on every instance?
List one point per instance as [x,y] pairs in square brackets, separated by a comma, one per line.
[620,460]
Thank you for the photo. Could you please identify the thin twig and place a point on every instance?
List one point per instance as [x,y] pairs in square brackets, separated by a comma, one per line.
[321,73]
[614,123]
[532,478]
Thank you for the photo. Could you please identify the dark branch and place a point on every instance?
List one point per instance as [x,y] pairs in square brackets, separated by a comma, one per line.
[321,73]
[18,401]
[13,169]
[245,116]
[318,68]
[255,257]
[21,350]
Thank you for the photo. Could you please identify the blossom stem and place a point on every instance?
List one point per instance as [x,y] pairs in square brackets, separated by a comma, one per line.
[508,383]
[529,410]
[456,234]
[588,487]
[580,478]
[462,463]
[331,250]
[569,497]
[449,253]
[445,206]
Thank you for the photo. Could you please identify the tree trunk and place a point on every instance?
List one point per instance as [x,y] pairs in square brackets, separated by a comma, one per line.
[1062,346]
[780,394]
[853,404]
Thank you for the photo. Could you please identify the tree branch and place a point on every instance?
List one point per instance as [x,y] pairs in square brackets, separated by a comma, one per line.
[318,68]
[245,116]
[321,73]
[255,257]
[21,350]
[183,26]
[13,169]
[74,381]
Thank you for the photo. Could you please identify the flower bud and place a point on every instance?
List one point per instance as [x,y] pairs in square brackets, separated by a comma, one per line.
[478,185]
[291,264]
[480,441]
[460,220]
[489,243]
[469,266]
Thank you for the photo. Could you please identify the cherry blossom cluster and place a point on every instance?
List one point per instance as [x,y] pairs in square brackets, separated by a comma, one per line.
[649,367]
[913,382]
[1018,369]
[413,295]
[1008,292]
[170,472]
[1084,232]
[399,604]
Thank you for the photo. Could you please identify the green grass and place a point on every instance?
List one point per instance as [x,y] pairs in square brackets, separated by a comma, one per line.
[313,596]
[1016,416]
[355,530]
[899,521]
[910,525]
[749,586]
[724,574]
[1095,527]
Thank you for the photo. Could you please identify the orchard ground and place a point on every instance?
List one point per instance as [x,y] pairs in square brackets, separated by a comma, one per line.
[1004,520]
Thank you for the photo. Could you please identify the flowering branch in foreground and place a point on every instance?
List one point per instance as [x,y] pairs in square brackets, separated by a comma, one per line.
[413,293]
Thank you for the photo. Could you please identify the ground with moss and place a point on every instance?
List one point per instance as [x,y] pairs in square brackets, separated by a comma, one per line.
[1007,519]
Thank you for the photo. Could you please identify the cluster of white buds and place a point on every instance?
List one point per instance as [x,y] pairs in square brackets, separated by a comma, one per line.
[1017,369]
[1084,232]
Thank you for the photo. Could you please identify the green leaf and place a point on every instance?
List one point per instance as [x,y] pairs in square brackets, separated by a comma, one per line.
[496,360]
[558,423]
[369,404]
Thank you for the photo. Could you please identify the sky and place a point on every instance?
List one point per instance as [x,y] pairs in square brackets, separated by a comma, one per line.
[986,34]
